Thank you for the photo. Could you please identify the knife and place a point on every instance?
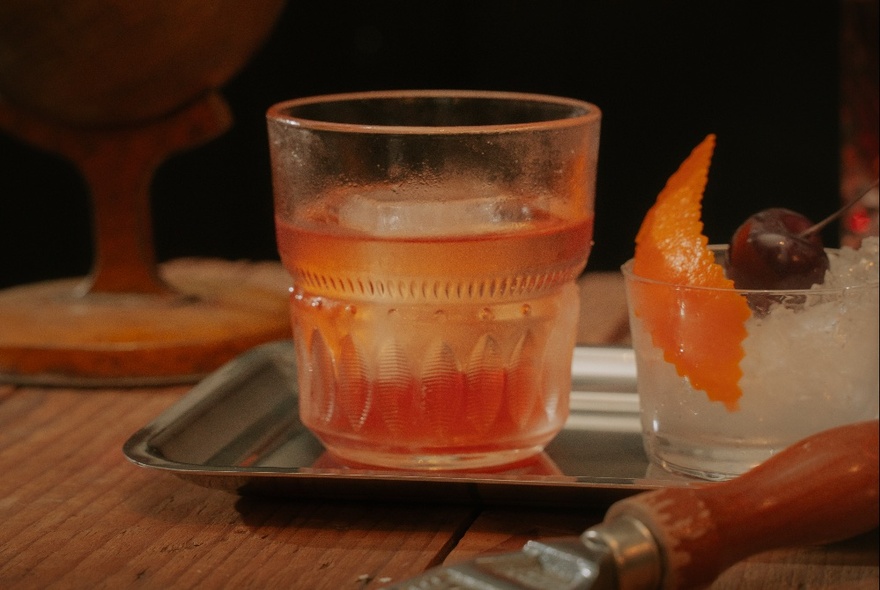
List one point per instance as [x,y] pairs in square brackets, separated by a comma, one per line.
[819,490]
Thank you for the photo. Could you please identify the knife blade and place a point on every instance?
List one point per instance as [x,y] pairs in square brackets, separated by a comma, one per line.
[819,490]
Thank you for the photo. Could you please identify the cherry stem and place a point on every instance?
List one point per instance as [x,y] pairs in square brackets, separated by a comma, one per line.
[818,226]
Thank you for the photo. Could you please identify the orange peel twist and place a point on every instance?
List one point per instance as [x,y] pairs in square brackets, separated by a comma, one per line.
[700,331]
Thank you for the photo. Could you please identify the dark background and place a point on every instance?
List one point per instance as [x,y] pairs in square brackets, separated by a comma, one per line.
[763,76]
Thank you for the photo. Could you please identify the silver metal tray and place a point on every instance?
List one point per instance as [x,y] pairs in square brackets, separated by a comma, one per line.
[239,430]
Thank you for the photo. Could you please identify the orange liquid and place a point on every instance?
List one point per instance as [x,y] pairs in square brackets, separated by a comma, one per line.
[434,347]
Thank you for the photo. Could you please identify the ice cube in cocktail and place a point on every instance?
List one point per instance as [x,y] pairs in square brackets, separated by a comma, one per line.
[458,209]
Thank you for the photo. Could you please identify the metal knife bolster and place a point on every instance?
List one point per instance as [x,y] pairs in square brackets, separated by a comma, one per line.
[562,563]
[636,556]
[620,554]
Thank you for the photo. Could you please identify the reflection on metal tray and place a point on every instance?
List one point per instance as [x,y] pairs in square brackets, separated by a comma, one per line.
[239,430]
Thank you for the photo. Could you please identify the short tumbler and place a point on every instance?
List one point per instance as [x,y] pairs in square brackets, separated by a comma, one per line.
[433,239]
[810,363]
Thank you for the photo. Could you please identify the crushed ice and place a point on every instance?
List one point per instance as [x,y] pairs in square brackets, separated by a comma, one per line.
[851,267]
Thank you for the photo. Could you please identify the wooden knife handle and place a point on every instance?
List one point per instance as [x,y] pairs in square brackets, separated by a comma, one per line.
[819,490]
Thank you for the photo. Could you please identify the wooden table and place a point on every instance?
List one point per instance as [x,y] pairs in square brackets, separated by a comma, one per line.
[74,513]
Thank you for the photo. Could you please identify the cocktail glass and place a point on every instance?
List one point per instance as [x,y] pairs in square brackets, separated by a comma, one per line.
[433,239]
[811,363]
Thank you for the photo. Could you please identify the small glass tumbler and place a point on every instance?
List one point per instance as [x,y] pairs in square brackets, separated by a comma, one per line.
[433,239]
[810,363]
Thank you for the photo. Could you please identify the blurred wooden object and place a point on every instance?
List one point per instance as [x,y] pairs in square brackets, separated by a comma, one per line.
[118,165]
[213,310]
[604,316]
[117,88]
[99,63]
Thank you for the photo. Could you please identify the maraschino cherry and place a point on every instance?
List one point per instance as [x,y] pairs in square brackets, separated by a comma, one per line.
[772,251]
[779,249]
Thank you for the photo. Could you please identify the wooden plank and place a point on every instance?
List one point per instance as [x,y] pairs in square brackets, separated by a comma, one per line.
[77,514]
[848,565]
[604,317]
[499,530]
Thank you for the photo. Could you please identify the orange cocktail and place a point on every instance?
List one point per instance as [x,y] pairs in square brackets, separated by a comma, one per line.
[434,320]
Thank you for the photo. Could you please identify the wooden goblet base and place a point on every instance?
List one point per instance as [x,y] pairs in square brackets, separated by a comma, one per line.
[54,335]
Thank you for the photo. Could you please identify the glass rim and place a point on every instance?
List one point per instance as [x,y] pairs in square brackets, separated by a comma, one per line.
[583,112]
[626,269]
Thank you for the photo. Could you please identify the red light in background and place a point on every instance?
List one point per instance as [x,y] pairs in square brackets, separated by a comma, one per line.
[858,222]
